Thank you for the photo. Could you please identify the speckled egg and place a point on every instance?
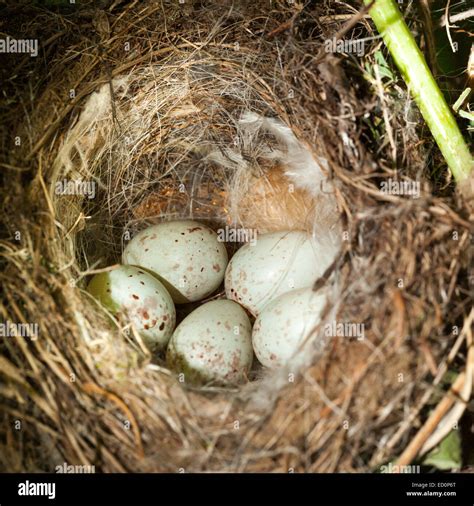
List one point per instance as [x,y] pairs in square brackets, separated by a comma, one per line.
[142,298]
[186,256]
[277,263]
[212,344]
[284,324]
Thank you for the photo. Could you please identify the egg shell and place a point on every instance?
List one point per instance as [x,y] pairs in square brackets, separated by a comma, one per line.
[284,324]
[277,263]
[212,344]
[186,256]
[142,298]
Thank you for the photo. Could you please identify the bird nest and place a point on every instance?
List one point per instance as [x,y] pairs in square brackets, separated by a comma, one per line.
[139,120]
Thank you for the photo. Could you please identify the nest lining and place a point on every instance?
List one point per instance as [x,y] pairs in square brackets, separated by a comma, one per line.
[148,131]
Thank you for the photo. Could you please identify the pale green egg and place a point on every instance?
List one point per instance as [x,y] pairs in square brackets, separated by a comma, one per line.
[140,297]
[277,263]
[212,344]
[285,324]
[186,256]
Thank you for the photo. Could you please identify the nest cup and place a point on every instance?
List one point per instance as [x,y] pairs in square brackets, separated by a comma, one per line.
[168,134]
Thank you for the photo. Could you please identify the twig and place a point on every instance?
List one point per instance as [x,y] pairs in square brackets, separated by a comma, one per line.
[412,450]
[425,9]
[388,126]
[91,388]
[407,423]
[460,392]
[346,27]
[448,26]
[460,16]
[283,27]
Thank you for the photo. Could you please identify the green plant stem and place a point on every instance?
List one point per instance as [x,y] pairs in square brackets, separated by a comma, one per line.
[412,65]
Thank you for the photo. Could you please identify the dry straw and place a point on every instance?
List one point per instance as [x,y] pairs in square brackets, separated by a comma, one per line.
[134,103]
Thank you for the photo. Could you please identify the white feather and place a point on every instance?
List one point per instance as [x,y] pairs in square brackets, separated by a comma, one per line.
[301,167]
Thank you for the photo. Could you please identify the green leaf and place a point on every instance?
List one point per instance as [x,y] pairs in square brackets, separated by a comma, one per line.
[384,67]
[447,455]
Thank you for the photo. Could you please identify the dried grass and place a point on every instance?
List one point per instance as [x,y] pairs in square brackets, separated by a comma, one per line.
[140,124]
